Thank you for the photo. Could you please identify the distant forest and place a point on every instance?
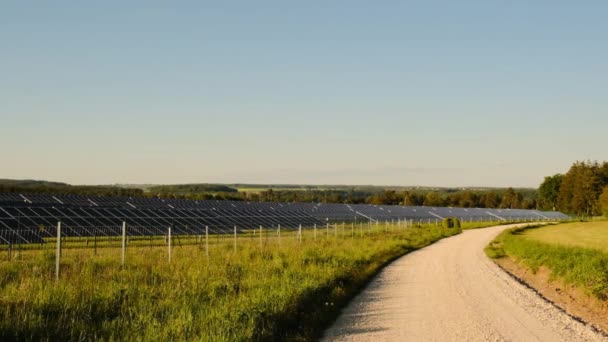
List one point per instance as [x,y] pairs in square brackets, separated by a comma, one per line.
[485,198]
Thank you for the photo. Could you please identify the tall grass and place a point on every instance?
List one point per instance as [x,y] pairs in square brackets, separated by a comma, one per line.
[583,267]
[258,293]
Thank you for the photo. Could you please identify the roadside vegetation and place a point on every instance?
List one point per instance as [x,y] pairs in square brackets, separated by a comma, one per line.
[265,289]
[575,253]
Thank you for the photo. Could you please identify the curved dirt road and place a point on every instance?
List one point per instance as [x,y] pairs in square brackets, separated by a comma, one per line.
[450,291]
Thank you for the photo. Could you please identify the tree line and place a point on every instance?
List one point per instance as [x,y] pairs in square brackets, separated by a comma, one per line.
[66,189]
[583,190]
[494,198]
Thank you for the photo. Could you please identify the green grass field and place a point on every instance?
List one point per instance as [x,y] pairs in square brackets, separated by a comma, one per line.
[573,252]
[579,234]
[268,289]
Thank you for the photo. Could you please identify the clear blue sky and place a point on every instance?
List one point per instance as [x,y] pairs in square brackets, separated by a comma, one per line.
[450,93]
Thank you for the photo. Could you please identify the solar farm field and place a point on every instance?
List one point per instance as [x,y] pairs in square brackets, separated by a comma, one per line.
[118,268]
[266,288]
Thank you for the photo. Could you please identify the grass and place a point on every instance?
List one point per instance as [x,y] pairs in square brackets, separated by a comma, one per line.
[481,224]
[572,256]
[485,224]
[265,290]
[578,234]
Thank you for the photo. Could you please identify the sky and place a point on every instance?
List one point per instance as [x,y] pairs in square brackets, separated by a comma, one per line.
[434,93]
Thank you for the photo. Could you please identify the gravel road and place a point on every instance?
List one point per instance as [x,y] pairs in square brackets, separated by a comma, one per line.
[450,291]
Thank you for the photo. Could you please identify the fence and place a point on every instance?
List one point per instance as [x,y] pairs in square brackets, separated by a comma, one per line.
[125,243]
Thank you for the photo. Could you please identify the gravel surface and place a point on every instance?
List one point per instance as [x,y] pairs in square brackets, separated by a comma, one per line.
[450,291]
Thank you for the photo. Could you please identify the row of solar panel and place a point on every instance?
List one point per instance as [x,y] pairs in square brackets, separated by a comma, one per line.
[319,210]
[29,221]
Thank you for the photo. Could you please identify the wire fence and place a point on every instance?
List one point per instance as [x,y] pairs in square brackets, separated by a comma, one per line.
[60,246]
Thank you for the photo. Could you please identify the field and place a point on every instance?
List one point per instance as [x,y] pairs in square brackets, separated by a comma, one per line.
[579,234]
[266,288]
[575,253]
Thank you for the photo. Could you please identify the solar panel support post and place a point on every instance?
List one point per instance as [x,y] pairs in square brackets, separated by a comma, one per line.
[124,243]
[207,241]
[169,243]
[58,252]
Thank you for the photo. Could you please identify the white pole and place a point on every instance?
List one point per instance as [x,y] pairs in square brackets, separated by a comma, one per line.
[207,240]
[234,239]
[279,233]
[58,254]
[261,240]
[169,243]
[124,242]
[300,234]
[327,231]
[315,232]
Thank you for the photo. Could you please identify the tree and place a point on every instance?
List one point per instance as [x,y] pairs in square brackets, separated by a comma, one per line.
[581,188]
[468,200]
[603,201]
[548,192]
[433,199]
[491,200]
[511,199]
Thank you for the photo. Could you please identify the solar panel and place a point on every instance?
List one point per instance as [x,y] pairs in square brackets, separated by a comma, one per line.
[27,218]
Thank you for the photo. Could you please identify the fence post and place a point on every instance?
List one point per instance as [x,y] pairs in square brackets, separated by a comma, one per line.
[234,239]
[58,254]
[315,229]
[261,237]
[352,230]
[361,228]
[207,241]
[336,230]
[169,243]
[300,234]
[124,243]
[327,231]
[279,234]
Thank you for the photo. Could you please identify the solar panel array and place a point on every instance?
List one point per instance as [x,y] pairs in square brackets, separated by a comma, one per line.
[29,218]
